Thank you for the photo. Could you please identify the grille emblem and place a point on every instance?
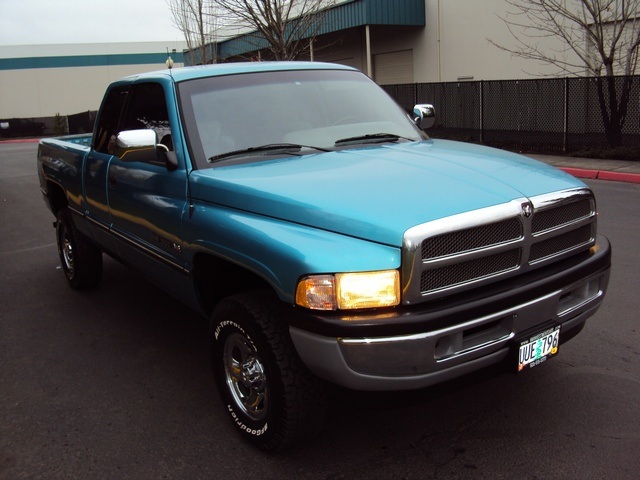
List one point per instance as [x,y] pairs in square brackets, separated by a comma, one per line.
[527,209]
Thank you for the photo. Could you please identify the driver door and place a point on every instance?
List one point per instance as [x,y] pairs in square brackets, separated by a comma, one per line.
[147,199]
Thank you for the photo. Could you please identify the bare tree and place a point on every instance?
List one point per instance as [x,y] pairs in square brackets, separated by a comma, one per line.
[197,20]
[286,28]
[599,37]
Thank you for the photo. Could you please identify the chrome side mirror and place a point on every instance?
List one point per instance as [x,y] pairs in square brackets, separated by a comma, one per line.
[136,145]
[142,146]
[424,115]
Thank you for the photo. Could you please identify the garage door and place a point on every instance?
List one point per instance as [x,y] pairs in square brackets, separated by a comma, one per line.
[394,67]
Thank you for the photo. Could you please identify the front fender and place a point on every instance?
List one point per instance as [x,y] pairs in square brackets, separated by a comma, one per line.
[281,252]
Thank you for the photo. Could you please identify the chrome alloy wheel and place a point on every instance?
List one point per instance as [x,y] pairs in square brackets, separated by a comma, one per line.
[245,376]
[67,253]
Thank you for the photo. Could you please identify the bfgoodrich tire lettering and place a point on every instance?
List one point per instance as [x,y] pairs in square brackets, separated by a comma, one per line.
[270,396]
[81,260]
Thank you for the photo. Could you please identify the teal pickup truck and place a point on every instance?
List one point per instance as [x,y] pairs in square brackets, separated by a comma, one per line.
[323,234]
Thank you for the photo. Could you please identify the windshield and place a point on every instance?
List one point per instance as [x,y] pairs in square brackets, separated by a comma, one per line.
[314,110]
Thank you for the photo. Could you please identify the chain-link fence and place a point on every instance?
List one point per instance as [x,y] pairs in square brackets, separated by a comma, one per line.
[47,126]
[544,115]
[541,115]
[81,122]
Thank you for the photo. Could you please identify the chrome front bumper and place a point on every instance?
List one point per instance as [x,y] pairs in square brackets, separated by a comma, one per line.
[403,362]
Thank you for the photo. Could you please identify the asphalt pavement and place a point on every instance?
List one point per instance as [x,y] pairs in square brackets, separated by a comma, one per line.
[115,382]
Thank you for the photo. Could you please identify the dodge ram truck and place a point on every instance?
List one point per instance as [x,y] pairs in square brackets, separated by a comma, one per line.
[326,238]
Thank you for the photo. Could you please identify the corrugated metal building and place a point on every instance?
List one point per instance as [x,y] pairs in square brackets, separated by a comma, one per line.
[348,33]
[406,41]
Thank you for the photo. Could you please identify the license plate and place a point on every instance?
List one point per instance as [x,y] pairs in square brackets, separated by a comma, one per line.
[538,348]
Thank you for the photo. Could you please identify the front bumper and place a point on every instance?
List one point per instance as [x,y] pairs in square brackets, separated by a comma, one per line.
[417,347]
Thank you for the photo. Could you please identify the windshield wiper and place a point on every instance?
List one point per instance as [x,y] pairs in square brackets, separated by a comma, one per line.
[372,138]
[271,148]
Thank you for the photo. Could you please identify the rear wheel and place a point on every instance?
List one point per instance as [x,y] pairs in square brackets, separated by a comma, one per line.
[273,400]
[81,260]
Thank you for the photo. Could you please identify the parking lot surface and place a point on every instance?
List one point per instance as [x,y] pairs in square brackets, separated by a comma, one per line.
[115,382]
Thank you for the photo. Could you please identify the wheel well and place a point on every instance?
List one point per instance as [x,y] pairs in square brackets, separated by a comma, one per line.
[216,278]
[57,197]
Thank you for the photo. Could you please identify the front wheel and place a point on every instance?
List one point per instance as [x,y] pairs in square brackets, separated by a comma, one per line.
[81,260]
[271,397]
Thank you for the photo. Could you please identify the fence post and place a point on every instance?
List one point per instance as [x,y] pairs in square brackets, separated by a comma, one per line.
[481,111]
[565,138]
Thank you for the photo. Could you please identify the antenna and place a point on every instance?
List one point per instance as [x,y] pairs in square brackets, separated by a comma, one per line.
[169,61]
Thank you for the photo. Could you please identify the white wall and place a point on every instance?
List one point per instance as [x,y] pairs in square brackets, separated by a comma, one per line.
[44,92]
[455,44]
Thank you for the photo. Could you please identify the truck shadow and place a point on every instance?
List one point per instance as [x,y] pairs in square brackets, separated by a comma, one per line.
[154,351]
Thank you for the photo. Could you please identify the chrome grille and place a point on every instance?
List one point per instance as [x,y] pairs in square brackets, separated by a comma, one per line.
[474,248]
[561,243]
[450,275]
[471,239]
[562,215]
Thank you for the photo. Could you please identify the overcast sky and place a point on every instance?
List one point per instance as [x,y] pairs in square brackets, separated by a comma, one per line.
[36,22]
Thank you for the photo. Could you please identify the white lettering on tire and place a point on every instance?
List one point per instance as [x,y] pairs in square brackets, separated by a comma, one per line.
[244,427]
[231,323]
[234,415]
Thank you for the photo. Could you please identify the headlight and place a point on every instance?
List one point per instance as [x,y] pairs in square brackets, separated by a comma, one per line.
[348,291]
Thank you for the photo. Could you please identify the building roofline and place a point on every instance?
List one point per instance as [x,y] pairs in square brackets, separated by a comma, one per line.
[344,16]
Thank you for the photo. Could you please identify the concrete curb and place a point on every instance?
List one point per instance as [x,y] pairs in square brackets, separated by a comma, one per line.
[602,175]
[20,140]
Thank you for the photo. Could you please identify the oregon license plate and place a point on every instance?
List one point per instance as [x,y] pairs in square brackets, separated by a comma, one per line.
[538,348]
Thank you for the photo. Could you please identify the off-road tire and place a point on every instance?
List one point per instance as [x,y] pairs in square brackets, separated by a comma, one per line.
[80,258]
[271,397]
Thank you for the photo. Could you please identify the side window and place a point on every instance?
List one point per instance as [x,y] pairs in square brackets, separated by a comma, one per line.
[147,108]
[108,122]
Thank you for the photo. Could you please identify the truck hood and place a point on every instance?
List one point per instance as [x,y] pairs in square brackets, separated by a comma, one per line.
[378,192]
